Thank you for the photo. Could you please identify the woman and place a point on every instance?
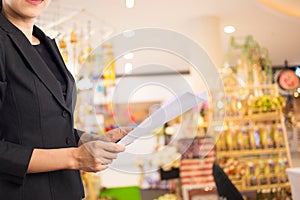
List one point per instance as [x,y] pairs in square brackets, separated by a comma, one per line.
[39,156]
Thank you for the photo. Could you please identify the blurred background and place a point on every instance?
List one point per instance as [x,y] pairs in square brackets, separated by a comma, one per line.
[254,44]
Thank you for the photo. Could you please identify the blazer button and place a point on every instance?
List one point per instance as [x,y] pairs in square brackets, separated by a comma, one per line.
[68,140]
[65,114]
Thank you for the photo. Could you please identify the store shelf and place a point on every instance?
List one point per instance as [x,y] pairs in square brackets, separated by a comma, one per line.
[254,152]
[268,186]
[243,188]
[250,87]
[243,165]
[256,117]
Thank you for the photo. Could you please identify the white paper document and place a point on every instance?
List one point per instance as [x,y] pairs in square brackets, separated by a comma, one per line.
[170,110]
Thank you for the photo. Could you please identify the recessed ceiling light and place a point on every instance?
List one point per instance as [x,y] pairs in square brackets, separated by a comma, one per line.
[128,68]
[129,3]
[229,29]
[128,56]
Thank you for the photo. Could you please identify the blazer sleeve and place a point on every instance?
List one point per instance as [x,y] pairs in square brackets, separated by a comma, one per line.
[78,134]
[14,158]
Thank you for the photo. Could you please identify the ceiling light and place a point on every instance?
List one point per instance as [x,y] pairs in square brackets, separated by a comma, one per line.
[129,3]
[128,56]
[229,29]
[128,68]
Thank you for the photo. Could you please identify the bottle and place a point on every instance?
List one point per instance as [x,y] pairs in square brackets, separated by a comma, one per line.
[253,175]
[229,141]
[252,142]
[233,106]
[239,108]
[263,137]
[267,172]
[250,103]
[240,140]
[257,138]
[246,139]
[256,174]
[258,194]
[269,136]
[262,172]
[221,143]
[282,173]
[247,176]
[280,136]
[234,134]
[273,134]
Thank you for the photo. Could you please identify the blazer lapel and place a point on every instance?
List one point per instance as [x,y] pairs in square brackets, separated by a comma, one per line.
[39,67]
[59,60]
[37,64]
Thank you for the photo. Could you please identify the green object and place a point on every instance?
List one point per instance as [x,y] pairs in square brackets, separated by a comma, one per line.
[121,193]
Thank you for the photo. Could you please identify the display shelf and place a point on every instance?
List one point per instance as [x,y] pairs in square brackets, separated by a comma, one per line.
[254,152]
[263,155]
[268,116]
[268,186]
[250,87]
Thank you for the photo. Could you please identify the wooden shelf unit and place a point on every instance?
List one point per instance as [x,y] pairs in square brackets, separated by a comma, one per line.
[256,154]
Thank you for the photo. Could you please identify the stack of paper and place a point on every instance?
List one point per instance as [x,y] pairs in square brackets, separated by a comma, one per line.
[170,110]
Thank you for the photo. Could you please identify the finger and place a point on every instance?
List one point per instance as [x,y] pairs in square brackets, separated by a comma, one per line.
[101,137]
[109,146]
[100,167]
[103,161]
[117,134]
[126,129]
[92,137]
[105,154]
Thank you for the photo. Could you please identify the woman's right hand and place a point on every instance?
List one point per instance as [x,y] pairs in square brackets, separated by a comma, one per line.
[95,156]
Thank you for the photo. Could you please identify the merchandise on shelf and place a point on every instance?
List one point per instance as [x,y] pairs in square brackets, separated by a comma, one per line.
[252,147]
[267,135]
[274,193]
[250,105]
[256,172]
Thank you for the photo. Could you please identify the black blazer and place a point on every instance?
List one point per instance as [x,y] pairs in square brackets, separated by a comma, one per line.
[33,114]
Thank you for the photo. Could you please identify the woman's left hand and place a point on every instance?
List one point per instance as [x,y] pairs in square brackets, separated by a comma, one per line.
[113,135]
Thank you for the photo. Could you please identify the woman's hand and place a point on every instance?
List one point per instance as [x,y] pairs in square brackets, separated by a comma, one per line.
[110,136]
[117,134]
[95,152]
[95,156]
